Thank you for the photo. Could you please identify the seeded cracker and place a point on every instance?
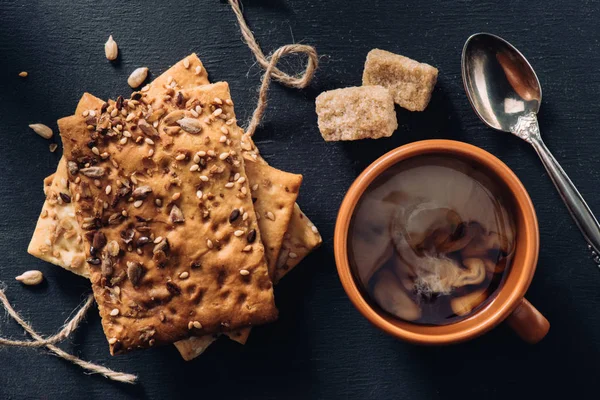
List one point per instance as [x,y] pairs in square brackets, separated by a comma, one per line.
[410,82]
[154,304]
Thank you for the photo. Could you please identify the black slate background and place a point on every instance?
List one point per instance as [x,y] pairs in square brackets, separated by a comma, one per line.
[321,347]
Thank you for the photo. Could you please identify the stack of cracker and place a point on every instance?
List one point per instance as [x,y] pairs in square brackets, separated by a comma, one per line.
[168,207]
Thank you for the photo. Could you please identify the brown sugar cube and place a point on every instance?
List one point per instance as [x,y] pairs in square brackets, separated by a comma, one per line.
[409,81]
[356,113]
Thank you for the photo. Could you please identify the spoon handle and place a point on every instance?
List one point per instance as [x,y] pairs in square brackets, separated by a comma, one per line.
[579,210]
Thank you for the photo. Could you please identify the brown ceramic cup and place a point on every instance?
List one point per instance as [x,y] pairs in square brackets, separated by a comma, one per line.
[509,303]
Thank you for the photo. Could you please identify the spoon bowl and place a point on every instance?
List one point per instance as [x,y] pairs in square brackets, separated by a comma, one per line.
[500,83]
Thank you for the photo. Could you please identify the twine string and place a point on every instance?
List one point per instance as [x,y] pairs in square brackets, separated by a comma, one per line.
[65,332]
[300,81]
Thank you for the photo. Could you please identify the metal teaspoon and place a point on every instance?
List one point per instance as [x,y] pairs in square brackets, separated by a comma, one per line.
[505,93]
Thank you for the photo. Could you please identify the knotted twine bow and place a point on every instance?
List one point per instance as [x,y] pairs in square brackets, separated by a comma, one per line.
[271,72]
[299,81]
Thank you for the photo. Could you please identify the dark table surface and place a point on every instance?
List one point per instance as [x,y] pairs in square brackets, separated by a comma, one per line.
[320,347]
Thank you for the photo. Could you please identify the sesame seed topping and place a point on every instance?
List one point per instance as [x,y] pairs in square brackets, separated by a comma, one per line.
[292,255]
[197,325]
[229,185]
[209,243]
[184,275]
[114,113]
[149,141]
[95,151]
[112,340]
[126,133]
[217,112]
[180,157]
[244,216]
[223,156]
[158,202]
[198,70]
[223,139]
[114,312]
[199,194]
[201,153]
[198,109]
[194,167]
[77,197]
[130,116]
[224,130]
[204,178]
[238,233]
[211,153]
[218,100]
[186,63]
[176,196]
[247,248]
[190,324]
[229,102]
[196,158]
[123,140]
[270,216]
[236,176]
[158,240]
[244,190]
[244,272]
[108,189]
[241,180]
[255,187]
[85,113]
[314,229]
[194,113]
[105,155]
[138,203]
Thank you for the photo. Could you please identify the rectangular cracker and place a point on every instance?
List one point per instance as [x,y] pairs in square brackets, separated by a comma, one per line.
[155,302]
[410,82]
[355,113]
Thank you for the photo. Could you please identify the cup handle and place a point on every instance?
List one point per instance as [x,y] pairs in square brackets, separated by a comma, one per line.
[528,322]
